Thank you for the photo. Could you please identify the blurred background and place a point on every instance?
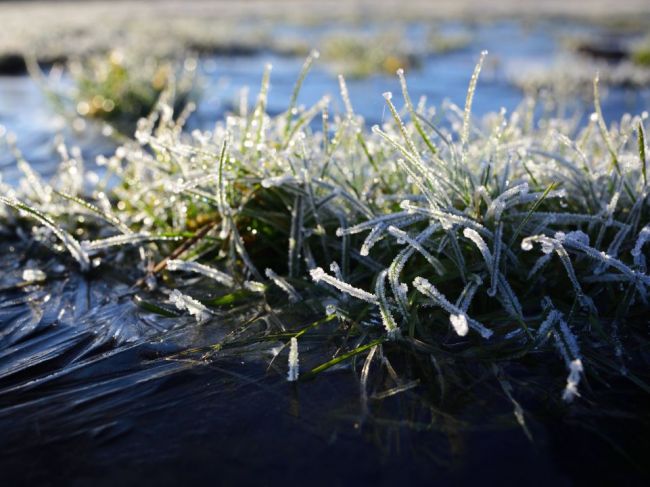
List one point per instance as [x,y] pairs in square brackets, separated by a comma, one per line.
[65,64]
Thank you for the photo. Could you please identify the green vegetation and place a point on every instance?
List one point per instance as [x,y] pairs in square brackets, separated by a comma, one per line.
[452,243]
[641,53]
[442,43]
[109,89]
[571,78]
[359,56]
[120,90]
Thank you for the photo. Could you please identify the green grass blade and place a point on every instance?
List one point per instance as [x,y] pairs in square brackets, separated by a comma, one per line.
[313,55]
[464,135]
[342,358]
[641,137]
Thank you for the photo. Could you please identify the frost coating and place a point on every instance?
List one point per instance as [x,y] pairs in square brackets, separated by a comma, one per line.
[278,181]
[496,256]
[459,322]
[573,380]
[283,284]
[426,288]
[120,240]
[498,205]
[254,286]
[397,266]
[469,291]
[474,236]
[76,250]
[569,338]
[191,305]
[220,277]
[642,239]
[373,237]
[294,366]
[34,275]
[392,329]
[318,274]
[552,318]
[400,234]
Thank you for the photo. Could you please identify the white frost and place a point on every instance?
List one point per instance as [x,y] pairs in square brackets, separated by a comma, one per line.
[294,366]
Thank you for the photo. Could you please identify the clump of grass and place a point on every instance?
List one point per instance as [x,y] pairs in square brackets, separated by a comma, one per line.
[480,241]
[571,77]
[120,89]
[362,56]
[440,43]
[641,52]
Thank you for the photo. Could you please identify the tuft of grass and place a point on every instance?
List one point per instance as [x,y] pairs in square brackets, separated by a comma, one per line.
[482,240]
[571,77]
[120,89]
[360,57]
[439,43]
[641,52]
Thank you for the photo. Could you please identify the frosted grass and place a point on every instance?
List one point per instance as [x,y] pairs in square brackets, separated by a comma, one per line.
[477,216]
[294,366]
[186,303]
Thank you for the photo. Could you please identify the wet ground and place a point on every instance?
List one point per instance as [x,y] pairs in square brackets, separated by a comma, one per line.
[95,390]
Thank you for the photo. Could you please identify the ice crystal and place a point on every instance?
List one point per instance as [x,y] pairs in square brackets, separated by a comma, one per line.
[318,275]
[186,303]
[426,288]
[217,275]
[573,380]
[283,284]
[34,275]
[294,365]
